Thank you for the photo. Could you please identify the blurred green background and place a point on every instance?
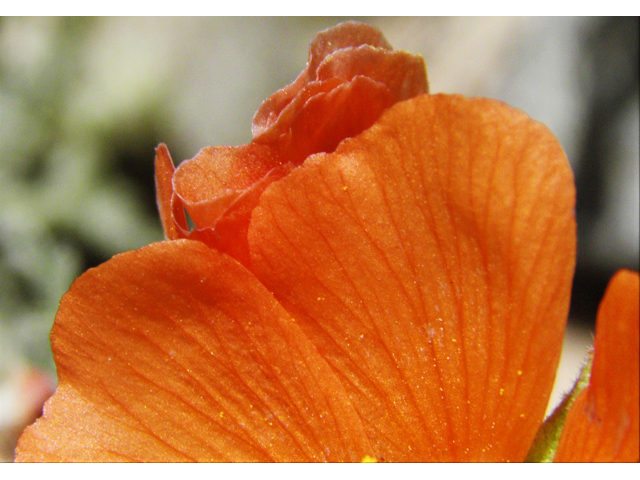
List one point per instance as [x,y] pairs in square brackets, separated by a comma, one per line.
[84,102]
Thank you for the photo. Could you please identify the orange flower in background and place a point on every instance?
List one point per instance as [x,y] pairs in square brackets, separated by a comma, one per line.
[379,273]
[603,424]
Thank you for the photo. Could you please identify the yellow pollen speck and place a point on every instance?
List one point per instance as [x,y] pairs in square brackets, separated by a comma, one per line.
[519,372]
[221,414]
[368,459]
[344,188]
[320,298]
[522,415]
[454,340]
[502,391]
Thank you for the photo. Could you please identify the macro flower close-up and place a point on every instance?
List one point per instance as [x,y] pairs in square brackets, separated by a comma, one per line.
[381,274]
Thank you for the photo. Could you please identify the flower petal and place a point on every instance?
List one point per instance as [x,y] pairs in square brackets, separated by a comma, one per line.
[211,182]
[173,219]
[430,260]
[402,73]
[329,117]
[306,117]
[345,35]
[219,188]
[603,424]
[176,352]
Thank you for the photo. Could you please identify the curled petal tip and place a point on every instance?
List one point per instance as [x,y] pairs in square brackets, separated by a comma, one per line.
[173,218]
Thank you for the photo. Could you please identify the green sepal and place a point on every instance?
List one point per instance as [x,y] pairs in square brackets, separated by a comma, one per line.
[546,442]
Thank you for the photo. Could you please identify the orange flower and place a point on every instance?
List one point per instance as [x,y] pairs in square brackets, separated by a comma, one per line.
[380,273]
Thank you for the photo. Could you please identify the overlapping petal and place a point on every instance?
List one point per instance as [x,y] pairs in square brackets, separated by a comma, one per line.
[352,76]
[347,52]
[175,352]
[430,260]
[603,424]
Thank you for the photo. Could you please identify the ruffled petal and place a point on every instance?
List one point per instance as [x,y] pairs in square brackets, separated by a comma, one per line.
[175,352]
[603,424]
[349,52]
[326,42]
[281,120]
[351,78]
[402,73]
[329,117]
[211,182]
[343,36]
[430,261]
[219,188]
